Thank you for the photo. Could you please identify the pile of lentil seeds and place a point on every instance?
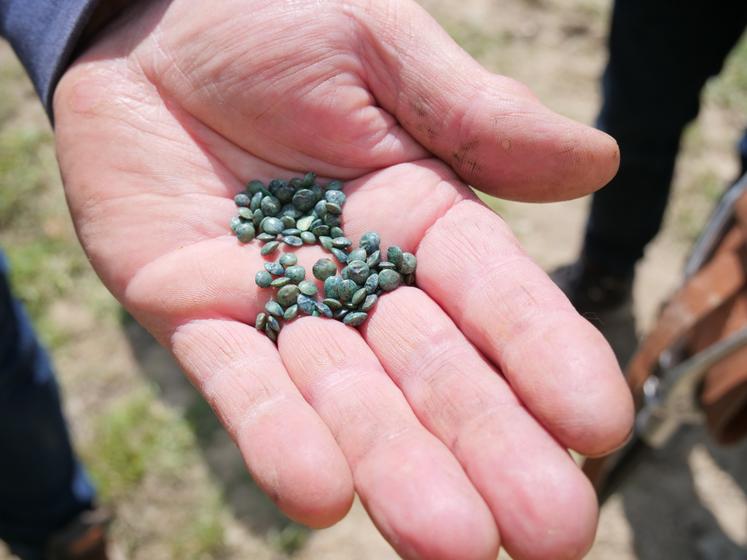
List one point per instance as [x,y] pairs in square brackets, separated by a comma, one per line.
[297,212]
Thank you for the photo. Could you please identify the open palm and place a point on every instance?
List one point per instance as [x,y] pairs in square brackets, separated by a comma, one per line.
[450,411]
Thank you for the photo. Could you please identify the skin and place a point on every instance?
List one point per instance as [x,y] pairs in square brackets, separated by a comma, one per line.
[450,411]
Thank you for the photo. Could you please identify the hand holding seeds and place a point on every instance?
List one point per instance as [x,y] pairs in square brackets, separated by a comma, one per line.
[449,398]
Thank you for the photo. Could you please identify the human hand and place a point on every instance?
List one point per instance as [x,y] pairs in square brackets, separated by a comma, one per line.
[448,412]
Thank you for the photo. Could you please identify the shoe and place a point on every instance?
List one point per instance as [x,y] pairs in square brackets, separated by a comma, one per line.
[592,289]
[84,538]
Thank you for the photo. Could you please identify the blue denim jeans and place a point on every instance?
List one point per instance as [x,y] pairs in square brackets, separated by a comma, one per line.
[42,484]
[661,53]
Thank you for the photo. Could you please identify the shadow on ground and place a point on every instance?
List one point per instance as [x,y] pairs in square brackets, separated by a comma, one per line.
[249,505]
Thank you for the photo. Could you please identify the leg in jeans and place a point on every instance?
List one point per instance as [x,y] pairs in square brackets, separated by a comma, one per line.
[42,485]
[661,52]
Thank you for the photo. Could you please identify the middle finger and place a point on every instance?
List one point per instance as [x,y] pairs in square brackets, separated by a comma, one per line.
[414,489]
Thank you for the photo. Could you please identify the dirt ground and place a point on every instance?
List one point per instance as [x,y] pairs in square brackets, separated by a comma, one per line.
[189,496]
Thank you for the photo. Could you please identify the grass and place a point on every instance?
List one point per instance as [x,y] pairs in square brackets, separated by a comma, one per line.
[140,447]
[134,437]
[730,89]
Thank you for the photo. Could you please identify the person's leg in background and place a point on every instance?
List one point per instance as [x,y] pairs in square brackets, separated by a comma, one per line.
[44,492]
[661,52]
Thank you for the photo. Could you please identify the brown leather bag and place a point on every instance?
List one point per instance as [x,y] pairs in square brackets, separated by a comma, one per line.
[710,305]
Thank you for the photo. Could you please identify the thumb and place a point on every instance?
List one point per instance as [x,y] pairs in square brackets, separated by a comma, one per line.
[490,129]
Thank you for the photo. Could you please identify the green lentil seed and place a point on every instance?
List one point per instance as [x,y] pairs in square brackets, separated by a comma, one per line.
[326,242]
[296,183]
[374,259]
[246,213]
[355,318]
[389,280]
[307,288]
[296,273]
[324,309]
[394,255]
[273,323]
[292,240]
[333,186]
[372,283]
[332,287]
[257,218]
[335,197]
[288,222]
[287,295]
[308,179]
[271,334]
[280,282]
[332,303]
[255,186]
[332,221]
[323,269]
[357,255]
[266,237]
[273,308]
[384,265]
[347,289]
[358,271]
[269,248]
[306,304]
[332,208]
[288,259]
[292,211]
[341,256]
[358,297]
[320,209]
[341,313]
[336,232]
[304,199]
[285,192]
[272,225]
[308,238]
[369,302]
[242,199]
[408,264]
[245,232]
[256,201]
[370,241]
[291,312]
[263,279]
[320,230]
[275,268]
[235,222]
[303,224]
[260,321]
[270,206]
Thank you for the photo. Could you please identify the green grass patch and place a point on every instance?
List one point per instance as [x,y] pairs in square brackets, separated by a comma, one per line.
[136,436]
[24,172]
[730,88]
[44,269]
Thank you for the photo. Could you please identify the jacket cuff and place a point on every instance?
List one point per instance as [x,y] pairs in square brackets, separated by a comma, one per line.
[44,34]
